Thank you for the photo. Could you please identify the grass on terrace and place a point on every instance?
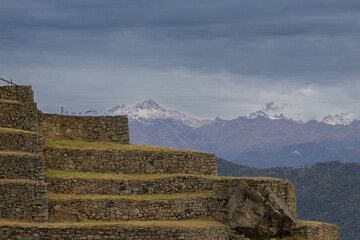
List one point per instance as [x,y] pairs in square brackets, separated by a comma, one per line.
[8,101]
[119,176]
[108,176]
[15,130]
[52,196]
[191,223]
[4,181]
[80,144]
[17,153]
[303,222]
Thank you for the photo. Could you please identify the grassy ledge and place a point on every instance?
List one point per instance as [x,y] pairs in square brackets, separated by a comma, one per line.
[109,176]
[119,176]
[15,130]
[190,223]
[80,144]
[5,181]
[17,153]
[52,196]
[8,101]
[304,223]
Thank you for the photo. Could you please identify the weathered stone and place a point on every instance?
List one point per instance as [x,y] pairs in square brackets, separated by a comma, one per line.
[289,221]
[88,128]
[251,213]
[130,162]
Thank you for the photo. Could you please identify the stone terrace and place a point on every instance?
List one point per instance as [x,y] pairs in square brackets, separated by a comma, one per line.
[98,186]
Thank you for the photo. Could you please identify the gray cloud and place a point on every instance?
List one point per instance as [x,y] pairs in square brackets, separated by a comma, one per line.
[234,55]
[270,107]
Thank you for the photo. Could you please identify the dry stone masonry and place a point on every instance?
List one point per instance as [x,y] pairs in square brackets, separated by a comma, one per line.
[113,232]
[89,128]
[21,141]
[127,209]
[132,162]
[55,189]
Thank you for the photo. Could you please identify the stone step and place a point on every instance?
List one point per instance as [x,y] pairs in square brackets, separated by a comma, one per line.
[20,140]
[19,115]
[127,158]
[64,207]
[21,165]
[194,229]
[23,199]
[24,93]
[124,184]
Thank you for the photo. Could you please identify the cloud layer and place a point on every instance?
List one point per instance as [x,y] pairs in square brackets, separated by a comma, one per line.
[207,58]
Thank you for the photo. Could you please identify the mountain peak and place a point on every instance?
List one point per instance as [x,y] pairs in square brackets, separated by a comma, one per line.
[341,118]
[149,110]
[148,104]
[257,114]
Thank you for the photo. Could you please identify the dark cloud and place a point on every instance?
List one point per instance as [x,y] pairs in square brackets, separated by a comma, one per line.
[297,45]
[270,107]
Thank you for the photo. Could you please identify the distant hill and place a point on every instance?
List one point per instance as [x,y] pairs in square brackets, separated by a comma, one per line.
[257,140]
[326,191]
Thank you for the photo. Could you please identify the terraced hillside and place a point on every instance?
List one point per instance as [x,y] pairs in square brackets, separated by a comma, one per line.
[81,179]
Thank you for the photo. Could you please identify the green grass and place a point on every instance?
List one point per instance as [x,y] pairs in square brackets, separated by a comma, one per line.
[80,144]
[2,181]
[108,176]
[118,176]
[15,130]
[8,101]
[52,196]
[17,153]
[191,223]
[303,222]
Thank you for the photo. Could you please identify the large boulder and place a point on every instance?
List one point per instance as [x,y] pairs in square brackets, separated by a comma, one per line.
[255,215]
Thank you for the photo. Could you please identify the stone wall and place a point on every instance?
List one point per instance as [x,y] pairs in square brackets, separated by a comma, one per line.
[22,166]
[127,209]
[89,128]
[19,115]
[132,162]
[23,200]
[20,141]
[284,189]
[317,230]
[113,232]
[25,93]
[168,185]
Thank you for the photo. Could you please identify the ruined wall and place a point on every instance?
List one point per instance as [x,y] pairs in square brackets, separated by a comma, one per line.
[317,230]
[132,162]
[20,141]
[23,200]
[113,232]
[168,185]
[19,115]
[127,209]
[25,93]
[21,166]
[89,128]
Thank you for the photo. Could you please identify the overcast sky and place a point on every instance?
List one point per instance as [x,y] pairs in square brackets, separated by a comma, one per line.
[206,58]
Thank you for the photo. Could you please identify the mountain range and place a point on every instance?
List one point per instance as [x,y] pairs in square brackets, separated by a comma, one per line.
[256,139]
[325,191]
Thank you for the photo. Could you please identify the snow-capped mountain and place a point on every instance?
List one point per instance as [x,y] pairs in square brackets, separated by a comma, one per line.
[257,139]
[262,114]
[341,118]
[149,110]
